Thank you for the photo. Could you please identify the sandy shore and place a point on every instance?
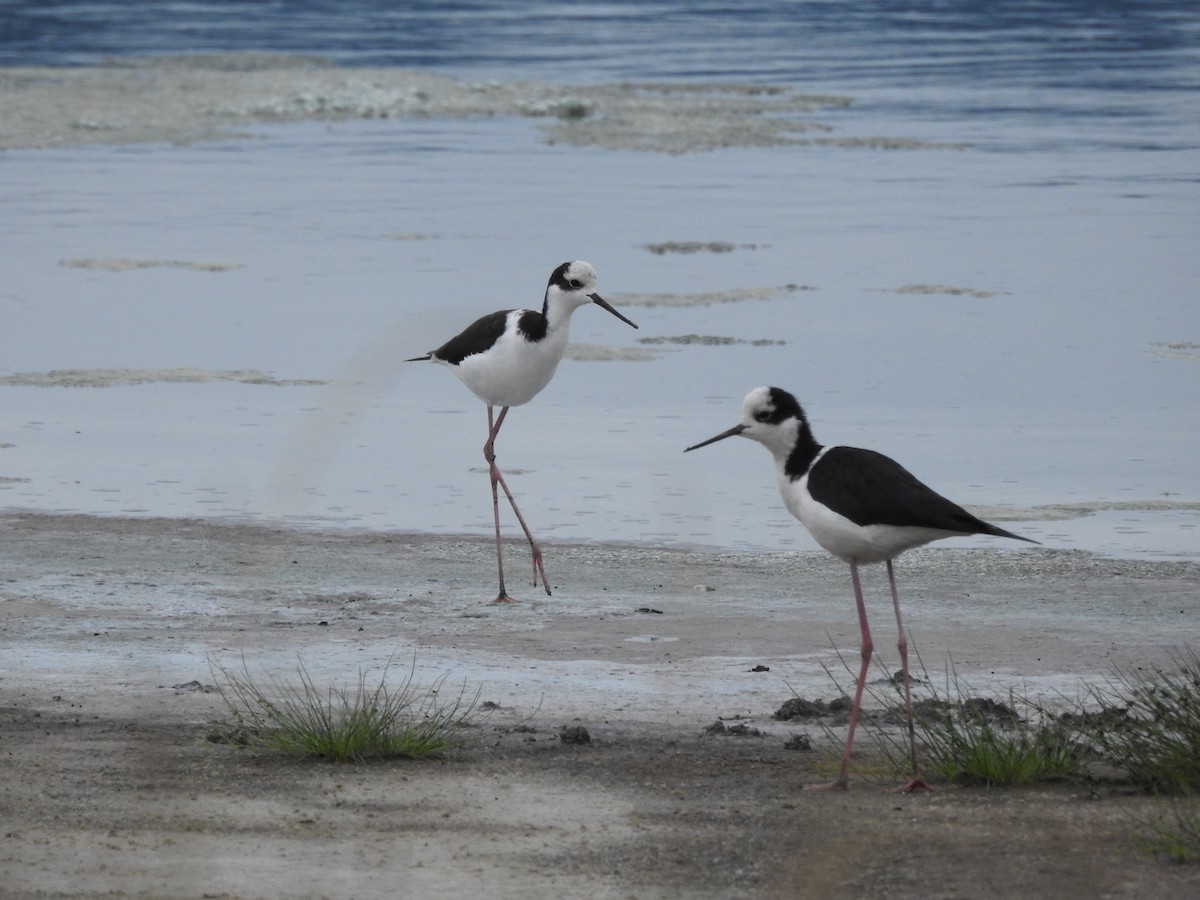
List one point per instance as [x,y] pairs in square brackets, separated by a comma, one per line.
[181,99]
[114,787]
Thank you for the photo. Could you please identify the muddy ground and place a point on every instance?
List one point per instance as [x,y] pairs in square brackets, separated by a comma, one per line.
[113,633]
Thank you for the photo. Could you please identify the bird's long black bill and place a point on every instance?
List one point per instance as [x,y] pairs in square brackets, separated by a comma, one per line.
[732,432]
[604,304]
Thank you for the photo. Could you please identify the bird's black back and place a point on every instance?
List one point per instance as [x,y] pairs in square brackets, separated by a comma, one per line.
[485,331]
[869,488]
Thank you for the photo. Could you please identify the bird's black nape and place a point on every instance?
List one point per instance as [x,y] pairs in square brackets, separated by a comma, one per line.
[559,278]
[784,406]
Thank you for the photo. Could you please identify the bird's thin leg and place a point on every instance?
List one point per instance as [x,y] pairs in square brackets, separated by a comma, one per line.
[496,477]
[843,779]
[536,551]
[490,455]
[917,780]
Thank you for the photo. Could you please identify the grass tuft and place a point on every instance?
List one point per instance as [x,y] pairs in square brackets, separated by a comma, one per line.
[1144,722]
[1175,833]
[966,739]
[984,742]
[1149,724]
[369,721]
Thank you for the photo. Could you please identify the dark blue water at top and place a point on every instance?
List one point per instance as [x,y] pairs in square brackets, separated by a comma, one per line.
[1122,73]
[1099,45]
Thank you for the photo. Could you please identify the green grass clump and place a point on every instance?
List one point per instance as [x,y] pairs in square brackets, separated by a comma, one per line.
[369,721]
[1175,834]
[984,742]
[1150,725]
[1144,722]
[966,739]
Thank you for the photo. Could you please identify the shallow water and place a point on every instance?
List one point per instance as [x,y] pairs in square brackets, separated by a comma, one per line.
[1007,306]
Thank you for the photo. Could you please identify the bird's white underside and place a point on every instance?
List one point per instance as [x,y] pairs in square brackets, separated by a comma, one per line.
[844,539]
[515,370]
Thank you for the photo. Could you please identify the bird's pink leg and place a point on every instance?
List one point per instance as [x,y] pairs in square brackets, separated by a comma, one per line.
[917,781]
[489,453]
[538,569]
[843,779]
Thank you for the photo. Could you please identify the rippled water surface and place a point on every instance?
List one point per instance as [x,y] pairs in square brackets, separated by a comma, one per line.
[1001,294]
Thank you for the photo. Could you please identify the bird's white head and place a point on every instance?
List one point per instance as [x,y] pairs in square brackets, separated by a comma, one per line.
[573,279]
[572,285]
[771,416]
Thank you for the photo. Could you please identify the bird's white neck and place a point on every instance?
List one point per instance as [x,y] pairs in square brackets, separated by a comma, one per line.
[558,309]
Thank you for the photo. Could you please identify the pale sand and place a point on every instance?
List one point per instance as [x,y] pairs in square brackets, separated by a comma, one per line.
[113,787]
[182,99]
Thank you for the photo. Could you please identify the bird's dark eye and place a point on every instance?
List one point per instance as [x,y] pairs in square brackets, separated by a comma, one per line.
[575,283]
[762,415]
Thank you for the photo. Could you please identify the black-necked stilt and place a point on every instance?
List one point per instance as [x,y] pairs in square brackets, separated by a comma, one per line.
[862,507]
[506,358]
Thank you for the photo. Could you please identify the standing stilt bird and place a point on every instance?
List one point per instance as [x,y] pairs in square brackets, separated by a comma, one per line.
[862,507]
[506,358]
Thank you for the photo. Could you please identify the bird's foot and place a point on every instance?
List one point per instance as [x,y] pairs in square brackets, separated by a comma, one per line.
[540,570]
[503,597]
[916,783]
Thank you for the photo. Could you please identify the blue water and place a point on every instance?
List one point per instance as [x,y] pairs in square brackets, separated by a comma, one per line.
[1046,75]
[1017,45]
[1138,47]
[1077,201]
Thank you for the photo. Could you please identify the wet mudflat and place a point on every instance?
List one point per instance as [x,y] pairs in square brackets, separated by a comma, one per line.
[120,781]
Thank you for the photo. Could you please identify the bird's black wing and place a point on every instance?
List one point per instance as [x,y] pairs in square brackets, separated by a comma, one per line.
[475,338]
[869,488]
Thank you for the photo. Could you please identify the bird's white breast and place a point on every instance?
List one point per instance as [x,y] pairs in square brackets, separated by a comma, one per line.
[514,370]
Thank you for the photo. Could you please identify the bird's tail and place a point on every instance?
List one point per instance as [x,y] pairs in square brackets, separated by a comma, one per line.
[1000,532]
